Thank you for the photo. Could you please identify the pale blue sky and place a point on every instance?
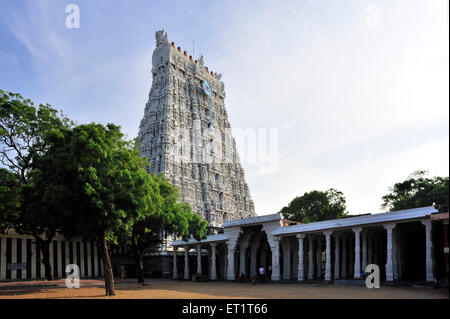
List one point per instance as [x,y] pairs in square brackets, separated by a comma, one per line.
[358,105]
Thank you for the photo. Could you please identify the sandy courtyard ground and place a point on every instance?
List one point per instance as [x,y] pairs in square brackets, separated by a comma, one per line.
[169,289]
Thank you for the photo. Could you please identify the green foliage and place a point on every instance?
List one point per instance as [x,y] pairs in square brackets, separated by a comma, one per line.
[316,206]
[24,130]
[9,199]
[98,180]
[178,218]
[25,133]
[197,226]
[418,190]
[168,215]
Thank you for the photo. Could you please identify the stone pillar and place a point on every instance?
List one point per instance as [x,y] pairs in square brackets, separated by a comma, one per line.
[33,259]
[328,255]
[14,257]
[286,260]
[300,273]
[50,247]
[42,275]
[351,255]
[187,274]
[319,257]
[199,258]
[42,264]
[89,271]
[428,251]
[310,258]
[336,257]
[175,270]
[74,254]
[24,272]
[344,257]
[275,259]
[3,258]
[213,262]
[24,256]
[230,267]
[68,260]
[375,249]
[82,269]
[357,265]
[61,271]
[389,266]
[364,252]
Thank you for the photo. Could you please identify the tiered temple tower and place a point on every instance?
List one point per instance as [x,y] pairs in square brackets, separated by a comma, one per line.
[180,141]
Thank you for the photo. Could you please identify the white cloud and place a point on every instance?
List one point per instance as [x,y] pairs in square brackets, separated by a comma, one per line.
[336,89]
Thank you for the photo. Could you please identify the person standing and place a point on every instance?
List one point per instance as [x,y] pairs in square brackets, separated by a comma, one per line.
[262,274]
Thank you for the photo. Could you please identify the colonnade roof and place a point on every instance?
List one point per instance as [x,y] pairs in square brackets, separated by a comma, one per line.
[388,217]
[252,220]
[335,224]
[209,239]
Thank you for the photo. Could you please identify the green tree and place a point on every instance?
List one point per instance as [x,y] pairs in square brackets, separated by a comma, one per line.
[168,215]
[9,199]
[418,190]
[98,179]
[316,206]
[24,132]
[178,218]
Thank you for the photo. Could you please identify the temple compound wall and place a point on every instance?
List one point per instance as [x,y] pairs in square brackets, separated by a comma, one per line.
[21,258]
[401,243]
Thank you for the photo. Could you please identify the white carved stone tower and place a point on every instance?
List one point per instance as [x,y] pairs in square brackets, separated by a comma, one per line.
[176,136]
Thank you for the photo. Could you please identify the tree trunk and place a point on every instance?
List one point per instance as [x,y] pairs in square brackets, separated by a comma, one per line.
[140,269]
[109,277]
[139,263]
[44,246]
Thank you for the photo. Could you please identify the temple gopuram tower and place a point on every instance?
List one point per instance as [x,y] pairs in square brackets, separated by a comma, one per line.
[186,135]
